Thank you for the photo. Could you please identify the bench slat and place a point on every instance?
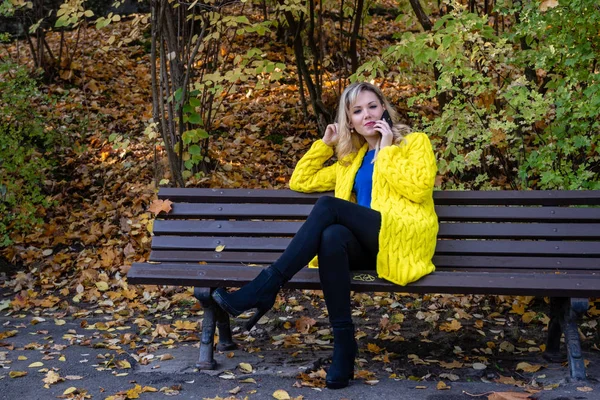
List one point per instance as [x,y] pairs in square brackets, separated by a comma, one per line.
[211,242]
[518,248]
[524,263]
[447,197]
[532,284]
[447,230]
[246,257]
[265,196]
[228,210]
[250,228]
[518,197]
[510,230]
[447,262]
[445,213]
[517,214]
[444,247]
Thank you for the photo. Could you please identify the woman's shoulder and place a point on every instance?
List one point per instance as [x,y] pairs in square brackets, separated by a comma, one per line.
[414,136]
[413,139]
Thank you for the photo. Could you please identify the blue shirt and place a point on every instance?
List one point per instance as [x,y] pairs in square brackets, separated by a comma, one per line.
[363,182]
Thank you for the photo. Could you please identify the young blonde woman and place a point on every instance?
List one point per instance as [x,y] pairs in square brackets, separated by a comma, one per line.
[381,218]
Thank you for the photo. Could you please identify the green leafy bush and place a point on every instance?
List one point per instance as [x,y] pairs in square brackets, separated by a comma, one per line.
[521,105]
[25,151]
[564,50]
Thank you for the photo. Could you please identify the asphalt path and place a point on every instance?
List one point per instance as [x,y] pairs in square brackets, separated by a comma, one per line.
[75,360]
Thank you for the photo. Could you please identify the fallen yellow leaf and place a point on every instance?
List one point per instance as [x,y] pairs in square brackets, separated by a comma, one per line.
[508,380]
[518,309]
[135,392]
[303,324]
[452,326]
[186,325]
[452,365]
[508,396]
[7,334]
[594,311]
[528,316]
[245,367]
[70,390]
[36,364]
[507,347]
[159,206]
[227,375]
[123,364]
[441,385]
[17,374]
[51,378]
[281,395]
[526,367]
[373,348]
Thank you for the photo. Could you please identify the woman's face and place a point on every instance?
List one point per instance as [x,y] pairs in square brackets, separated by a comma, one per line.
[364,112]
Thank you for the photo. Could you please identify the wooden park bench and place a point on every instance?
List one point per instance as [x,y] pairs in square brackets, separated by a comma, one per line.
[530,243]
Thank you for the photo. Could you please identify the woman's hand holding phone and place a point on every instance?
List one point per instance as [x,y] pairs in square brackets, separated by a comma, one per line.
[386,117]
[386,131]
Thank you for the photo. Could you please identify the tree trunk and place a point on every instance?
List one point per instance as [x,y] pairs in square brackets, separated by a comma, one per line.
[357,23]
[164,118]
[425,22]
[323,116]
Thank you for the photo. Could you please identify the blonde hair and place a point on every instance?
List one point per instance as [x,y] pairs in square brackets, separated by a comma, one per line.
[349,141]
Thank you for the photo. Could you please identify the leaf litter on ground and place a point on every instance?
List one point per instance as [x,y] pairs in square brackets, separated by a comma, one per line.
[102,223]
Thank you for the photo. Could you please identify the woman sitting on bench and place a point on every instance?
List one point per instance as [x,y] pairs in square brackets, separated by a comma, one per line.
[381,218]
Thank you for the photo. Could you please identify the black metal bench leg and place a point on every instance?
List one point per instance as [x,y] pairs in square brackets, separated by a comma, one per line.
[206,359]
[564,313]
[552,353]
[576,363]
[225,339]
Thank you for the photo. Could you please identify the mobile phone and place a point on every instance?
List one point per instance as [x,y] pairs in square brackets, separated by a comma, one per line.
[386,117]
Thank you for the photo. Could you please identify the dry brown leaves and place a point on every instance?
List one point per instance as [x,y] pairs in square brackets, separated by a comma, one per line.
[106,203]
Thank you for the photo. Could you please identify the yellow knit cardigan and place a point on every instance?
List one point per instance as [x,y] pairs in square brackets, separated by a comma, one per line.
[403,179]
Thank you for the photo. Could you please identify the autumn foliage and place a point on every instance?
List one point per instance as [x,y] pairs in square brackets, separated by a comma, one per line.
[509,101]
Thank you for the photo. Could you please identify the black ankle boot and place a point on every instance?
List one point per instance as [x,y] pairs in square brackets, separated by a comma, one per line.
[260,293]
[345,350]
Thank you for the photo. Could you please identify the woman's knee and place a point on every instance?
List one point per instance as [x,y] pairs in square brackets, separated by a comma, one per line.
[325,202]
[333,252]
[335,236]
[330,202]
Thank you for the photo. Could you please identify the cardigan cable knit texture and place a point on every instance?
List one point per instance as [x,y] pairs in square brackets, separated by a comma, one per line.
[403,180]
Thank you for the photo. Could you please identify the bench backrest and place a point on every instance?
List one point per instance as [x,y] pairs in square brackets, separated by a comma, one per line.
[482,230]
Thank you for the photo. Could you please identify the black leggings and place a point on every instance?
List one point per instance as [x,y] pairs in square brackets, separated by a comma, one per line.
[346,237]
